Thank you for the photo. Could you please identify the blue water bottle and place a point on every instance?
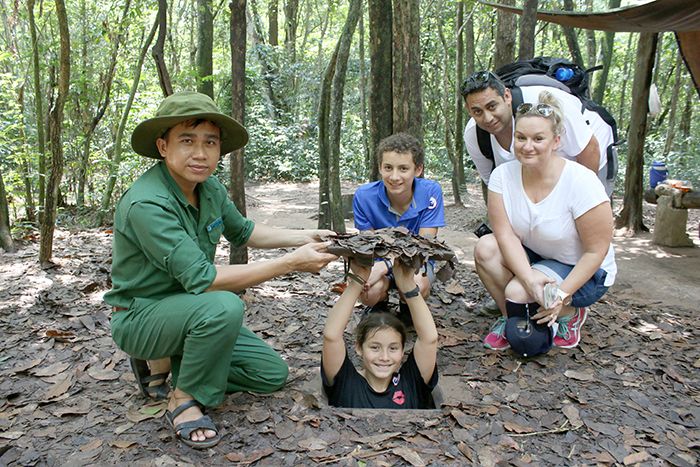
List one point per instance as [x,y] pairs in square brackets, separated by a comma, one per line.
[564,74]
[657,174]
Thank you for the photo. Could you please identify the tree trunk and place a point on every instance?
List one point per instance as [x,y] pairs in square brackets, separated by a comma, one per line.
[571,39]
[38,103]
[105,88]
[505,36]
[528,21]
[336,114]
[324,150]
[29,207]
[625,72]
[237,37]
[55,127]
[380,84]
[291,10]
[363,97]
[273,23]
[205,48]
[631,215]
[408,102]
[459,104]
[447,101]
[607,54]
[6,242]
[270,69]
[673,104]
[117,153]
[590,40]
[157,52]
[687,116]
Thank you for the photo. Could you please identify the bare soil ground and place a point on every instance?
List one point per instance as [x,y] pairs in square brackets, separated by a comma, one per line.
[630,394]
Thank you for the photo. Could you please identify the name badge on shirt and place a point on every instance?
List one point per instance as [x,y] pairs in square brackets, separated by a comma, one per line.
[217,222]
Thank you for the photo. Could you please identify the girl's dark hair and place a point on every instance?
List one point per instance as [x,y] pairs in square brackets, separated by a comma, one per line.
[374,322]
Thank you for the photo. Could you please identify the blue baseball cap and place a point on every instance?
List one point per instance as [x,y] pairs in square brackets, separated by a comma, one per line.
[525,336]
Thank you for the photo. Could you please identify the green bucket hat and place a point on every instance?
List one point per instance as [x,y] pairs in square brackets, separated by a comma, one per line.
[180,107]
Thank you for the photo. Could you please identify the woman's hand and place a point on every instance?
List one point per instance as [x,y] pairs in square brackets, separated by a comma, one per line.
[534,285]
[548,316]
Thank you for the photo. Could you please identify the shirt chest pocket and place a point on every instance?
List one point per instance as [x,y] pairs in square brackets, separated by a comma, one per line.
[214,230]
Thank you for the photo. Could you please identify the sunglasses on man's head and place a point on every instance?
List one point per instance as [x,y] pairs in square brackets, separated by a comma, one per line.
[476,81]
[544,110]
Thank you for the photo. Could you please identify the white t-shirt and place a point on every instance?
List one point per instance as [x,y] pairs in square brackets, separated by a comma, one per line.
[548,228]
[576,136]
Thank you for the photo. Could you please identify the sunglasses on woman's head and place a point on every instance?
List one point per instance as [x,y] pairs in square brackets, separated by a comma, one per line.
[544,110]
[476,81]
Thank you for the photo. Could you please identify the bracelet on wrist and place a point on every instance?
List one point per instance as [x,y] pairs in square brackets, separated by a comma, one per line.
[412,293]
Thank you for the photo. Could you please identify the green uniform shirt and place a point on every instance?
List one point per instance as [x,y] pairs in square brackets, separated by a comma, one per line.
[162,244]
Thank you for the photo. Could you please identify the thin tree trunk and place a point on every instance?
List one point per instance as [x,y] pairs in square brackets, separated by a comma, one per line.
[237,37]
[55,127]
[631,215]
[38,103]
[607,54]
[380,84]
[625,80]
[673,104]
[117,153]
[6,242]
[571,39]
[687,116]
[528,21]
[205,48]
[590,39]
[506,28]
[459,105]
[447,101]
[157,52]
[270,70]
[273,22]
[324,150]
[336,114]
[407,98]
[291,13]
[105,89]
[363,96]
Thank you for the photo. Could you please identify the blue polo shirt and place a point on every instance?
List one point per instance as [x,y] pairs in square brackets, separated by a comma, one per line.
[372,209]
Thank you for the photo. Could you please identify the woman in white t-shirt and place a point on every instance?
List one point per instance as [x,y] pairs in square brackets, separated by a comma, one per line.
[552,222]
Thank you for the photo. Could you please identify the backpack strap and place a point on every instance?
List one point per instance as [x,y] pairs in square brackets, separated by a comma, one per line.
[517,95]
[483,138]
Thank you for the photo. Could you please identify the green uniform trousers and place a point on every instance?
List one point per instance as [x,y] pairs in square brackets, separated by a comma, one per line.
[211,352]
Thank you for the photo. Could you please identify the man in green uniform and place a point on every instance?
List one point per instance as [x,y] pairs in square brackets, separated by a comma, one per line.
[169,299]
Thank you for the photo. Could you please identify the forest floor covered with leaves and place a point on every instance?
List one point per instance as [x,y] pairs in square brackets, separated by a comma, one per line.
[629,394]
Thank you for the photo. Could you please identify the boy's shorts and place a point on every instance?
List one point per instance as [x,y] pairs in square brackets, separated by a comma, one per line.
[587,295]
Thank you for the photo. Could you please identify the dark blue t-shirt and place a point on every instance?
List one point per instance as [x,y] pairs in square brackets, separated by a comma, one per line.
[407,389]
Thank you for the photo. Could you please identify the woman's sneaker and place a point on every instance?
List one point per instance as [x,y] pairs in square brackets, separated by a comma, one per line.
[496,339]
[569,332]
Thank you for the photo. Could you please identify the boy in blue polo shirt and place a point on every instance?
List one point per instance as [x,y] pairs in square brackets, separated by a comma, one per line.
[400,198]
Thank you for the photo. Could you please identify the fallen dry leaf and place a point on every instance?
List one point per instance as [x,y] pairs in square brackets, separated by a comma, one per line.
[94,444]
[122,443]
[51,370]
[579,375]
[59,388]
[410,456]
[636,458]
[572,414]
[103,374]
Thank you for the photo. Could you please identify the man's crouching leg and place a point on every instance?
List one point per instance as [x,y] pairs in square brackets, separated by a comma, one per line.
[255,366]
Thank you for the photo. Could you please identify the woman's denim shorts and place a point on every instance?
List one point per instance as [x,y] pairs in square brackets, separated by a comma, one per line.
[587,295]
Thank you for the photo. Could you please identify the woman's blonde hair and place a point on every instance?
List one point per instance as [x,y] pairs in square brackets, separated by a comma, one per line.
[556,117]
